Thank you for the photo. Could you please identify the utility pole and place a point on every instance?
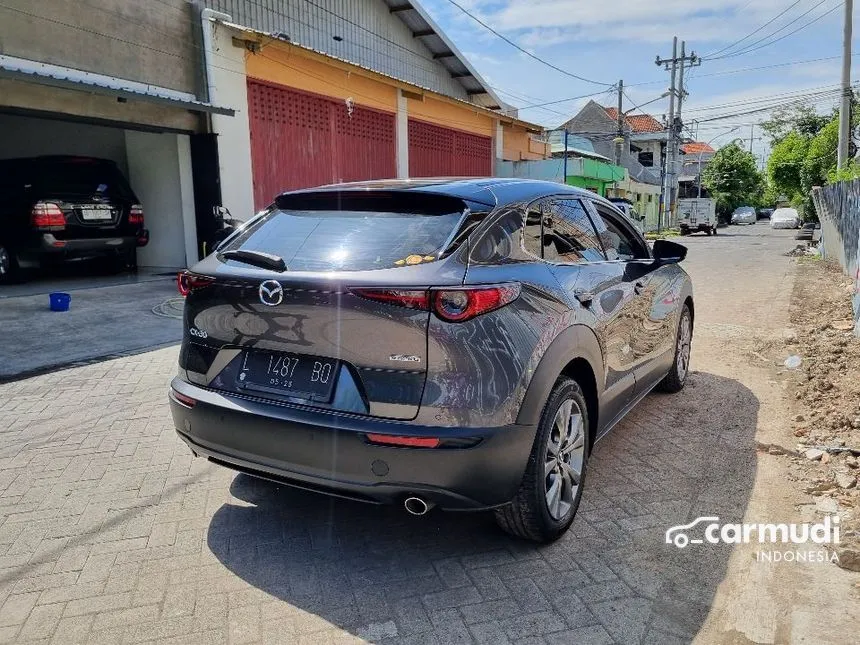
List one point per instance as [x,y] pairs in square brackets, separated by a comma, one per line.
[619,136]
[675,124]
[752,130]
[845,107]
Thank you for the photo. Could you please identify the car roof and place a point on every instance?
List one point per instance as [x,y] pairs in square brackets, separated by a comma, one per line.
[492,191]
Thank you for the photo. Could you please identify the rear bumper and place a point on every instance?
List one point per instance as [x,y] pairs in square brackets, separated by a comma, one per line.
[330,454]
[48,245]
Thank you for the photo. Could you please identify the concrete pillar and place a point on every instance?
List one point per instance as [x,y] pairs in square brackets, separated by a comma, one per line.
[402,136]
[234,132]
[186,194]
[500,140]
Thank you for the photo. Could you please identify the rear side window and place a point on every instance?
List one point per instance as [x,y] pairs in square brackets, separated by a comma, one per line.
[569,236]
[350,238]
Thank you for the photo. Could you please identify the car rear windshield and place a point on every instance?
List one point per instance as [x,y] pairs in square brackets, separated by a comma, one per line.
[77,178]
[352,237]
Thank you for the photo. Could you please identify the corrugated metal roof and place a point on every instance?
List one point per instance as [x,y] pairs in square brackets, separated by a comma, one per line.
[423,27]
[67,78]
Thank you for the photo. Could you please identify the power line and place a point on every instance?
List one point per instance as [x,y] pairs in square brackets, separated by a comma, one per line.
[752,33]
[751,48]
[525,51]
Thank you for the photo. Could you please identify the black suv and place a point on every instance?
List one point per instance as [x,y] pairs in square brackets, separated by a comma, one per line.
[62,207]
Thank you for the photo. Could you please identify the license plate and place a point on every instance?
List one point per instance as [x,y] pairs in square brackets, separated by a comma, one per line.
[90,214]
[296,375]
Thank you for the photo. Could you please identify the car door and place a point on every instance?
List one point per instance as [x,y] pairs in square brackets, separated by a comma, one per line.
[596,291]
[655,290]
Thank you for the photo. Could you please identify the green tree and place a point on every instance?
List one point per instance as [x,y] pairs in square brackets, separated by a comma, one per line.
[732,178]
[785,163]
[800,119]
[820,156]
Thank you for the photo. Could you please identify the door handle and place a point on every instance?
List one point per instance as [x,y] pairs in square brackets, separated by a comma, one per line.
[585,297]
[639,286]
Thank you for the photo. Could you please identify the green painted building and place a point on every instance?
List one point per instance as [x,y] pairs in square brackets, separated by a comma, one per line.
[593,174]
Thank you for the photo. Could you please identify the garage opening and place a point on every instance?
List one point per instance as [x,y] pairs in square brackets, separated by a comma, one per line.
[156,165]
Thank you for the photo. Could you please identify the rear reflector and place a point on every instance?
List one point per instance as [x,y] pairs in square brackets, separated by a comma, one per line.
[187,282]
[409,298]
[183,399]
[47,215]
[408,442]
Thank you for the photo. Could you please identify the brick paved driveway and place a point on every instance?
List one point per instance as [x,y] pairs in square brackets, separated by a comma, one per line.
[110,532]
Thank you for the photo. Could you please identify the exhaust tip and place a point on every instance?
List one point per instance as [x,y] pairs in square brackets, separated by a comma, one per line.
[416,506]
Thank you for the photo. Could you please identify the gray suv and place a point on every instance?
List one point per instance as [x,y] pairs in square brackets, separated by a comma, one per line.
[451,343]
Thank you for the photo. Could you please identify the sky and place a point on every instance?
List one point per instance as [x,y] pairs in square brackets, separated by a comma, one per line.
[608,41]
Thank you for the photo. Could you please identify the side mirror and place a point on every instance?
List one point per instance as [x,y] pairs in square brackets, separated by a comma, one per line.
[666,252]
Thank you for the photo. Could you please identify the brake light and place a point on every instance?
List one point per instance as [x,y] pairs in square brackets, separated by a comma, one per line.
[47,215]
[409,298]
[406,442]
[457,305]
[135,215]
[187,282]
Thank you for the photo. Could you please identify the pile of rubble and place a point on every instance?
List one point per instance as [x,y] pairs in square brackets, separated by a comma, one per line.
[823,360]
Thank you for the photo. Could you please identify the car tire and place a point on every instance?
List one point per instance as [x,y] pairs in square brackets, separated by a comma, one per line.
[714,229]
[546,502]
[676,378]
[8,265]
[708,232]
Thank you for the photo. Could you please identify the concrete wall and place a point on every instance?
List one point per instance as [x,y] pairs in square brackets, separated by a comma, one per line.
[546,170]
[31,137]
[838,208]
[159,168]
[134,39]
[234,133]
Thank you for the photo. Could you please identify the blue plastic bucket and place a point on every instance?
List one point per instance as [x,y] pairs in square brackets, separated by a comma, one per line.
[60,301]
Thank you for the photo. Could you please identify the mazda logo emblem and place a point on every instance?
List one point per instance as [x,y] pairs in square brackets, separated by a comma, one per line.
[271,293]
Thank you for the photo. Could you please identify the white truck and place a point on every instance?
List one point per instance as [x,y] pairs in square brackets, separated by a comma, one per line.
[697,214]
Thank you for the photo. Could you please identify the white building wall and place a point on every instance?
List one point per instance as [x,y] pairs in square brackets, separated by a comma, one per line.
[234,132]
[370,35]
[159,169]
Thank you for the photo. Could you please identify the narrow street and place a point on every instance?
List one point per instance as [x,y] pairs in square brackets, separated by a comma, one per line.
[111,532]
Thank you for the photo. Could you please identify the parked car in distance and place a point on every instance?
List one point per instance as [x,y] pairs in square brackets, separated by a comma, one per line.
[807,231]
[744,215]
[764,212]
[457,343]
[785,218]
[697,214]
[62,207]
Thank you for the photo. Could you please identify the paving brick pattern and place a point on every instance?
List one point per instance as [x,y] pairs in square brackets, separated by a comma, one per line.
[110,532]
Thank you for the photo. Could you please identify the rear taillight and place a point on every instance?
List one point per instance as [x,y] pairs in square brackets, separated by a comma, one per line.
[452,305]
[187,282]
[457,305]
[409,298]
[47,215]
[135,215]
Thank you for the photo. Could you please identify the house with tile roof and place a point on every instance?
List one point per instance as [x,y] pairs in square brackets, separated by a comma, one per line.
[642,152]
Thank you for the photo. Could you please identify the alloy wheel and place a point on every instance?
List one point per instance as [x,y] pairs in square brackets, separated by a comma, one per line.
[564,459]
[685,335]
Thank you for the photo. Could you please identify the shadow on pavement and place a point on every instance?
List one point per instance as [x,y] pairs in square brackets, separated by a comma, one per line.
[386,576]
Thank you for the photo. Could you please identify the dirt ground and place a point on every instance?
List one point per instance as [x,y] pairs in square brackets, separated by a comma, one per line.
[815,406]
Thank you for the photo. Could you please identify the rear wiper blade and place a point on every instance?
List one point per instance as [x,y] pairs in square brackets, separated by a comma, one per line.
[256,258]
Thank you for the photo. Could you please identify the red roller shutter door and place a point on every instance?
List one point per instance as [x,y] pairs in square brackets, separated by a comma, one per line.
[435,151]
[300,140]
